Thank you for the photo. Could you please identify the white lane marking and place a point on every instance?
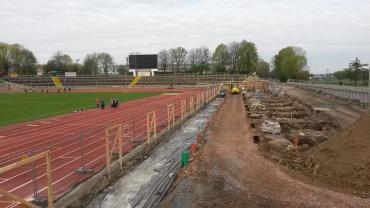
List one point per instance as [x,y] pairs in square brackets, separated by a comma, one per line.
[45,122]
[32,125]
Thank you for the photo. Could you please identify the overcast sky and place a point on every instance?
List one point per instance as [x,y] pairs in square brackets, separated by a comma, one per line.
[332,32]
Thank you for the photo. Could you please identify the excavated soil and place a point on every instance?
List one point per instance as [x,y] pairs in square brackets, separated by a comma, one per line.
[230,171]
[344,159]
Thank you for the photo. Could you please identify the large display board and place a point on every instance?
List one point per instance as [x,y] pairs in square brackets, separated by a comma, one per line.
[148,61]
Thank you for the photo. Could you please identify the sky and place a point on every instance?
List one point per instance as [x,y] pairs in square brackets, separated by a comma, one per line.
[332,32]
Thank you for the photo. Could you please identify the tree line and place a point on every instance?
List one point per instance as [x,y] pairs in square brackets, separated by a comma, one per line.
[235,57]
[17,57]
[93,64]
[356,73]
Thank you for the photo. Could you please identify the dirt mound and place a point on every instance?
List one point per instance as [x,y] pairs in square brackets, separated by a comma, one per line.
[344,159]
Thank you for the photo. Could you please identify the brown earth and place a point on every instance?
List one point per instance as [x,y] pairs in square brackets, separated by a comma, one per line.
[344,159]
[231,172]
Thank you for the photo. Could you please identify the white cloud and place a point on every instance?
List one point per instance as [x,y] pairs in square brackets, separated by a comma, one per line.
[332,32]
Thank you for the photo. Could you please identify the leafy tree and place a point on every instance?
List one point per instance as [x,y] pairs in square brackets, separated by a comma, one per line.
[16,56]
[289,63]
[59,62]
[5,62]
[357,68]
[248,57]
[219,68]
[341,75]
[263,69]
[91,64]
[221,55]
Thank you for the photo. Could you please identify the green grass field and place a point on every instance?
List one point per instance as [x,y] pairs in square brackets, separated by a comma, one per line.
[20,107]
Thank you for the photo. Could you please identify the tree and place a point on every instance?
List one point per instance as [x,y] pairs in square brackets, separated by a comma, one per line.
[219,68]
[263,69]
[180,57]
[106,62]
[357,68]
[122,69]
[289,63]
[199,59]
[16,56]
[59,62]
[233,50]
[177,57]
[91,64]
[164,59]
[248,57]
[5,62]
[221,55]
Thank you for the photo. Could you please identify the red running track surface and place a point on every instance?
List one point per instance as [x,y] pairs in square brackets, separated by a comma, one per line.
[62,136]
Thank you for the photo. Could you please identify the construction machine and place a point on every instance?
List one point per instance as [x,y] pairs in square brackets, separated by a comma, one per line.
[235,90]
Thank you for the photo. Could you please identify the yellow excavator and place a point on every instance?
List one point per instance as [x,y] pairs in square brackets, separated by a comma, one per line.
[235,89]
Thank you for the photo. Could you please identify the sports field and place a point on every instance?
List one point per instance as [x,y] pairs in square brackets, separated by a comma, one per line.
[20,107]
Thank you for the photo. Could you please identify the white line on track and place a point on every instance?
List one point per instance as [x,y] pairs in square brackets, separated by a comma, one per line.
[67,157]
[32,125]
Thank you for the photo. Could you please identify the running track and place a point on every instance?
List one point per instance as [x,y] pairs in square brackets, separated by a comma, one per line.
[61,135]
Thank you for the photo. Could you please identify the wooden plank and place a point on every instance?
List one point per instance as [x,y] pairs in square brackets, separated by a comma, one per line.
[17,198]
[50,180]
[22,162]
[107,152]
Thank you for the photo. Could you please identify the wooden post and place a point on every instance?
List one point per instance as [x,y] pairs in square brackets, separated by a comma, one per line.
[50,181]
[203,97]
[17,198]
[107,152]
[191,104]
[183,109]
[151,126]
[170,115]
[26,161]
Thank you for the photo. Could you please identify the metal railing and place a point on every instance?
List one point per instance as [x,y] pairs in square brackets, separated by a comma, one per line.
[359,94]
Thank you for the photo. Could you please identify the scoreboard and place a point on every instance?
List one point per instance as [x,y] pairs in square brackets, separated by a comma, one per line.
[148,61]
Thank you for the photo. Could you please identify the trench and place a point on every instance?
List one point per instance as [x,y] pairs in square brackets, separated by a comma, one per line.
[143,185]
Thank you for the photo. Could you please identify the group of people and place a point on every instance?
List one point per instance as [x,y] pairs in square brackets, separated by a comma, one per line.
[101,104]
[114,103]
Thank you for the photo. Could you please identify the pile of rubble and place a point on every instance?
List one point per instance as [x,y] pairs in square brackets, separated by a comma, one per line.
[285,127]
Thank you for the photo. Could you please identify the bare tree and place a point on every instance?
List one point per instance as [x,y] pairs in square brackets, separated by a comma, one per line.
[164,59]
[234,54]
[181,57]
[199,59]
[177,58]
[106,62]
[172,58]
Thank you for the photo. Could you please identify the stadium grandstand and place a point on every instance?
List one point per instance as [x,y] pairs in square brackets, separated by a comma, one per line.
[81,81]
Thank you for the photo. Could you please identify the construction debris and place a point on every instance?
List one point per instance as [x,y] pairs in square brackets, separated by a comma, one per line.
[271,127]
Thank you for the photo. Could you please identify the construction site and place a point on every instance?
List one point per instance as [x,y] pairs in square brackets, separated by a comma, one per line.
[205,141]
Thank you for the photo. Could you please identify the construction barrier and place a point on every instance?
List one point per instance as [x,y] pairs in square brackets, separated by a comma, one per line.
[151,126]
[170,116]
[83,152]
[27,160]
[114,140]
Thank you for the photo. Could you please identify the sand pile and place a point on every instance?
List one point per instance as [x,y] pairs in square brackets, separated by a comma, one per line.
[344,159]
